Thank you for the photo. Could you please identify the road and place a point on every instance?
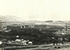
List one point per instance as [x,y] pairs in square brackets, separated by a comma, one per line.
[65,46]
[48,48]
[44,47]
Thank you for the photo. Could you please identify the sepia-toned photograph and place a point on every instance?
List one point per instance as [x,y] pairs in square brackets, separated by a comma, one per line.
[34,24]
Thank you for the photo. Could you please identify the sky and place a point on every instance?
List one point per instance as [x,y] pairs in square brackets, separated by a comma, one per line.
[36,9]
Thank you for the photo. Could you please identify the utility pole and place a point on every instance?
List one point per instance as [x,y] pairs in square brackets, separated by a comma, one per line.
[66,28]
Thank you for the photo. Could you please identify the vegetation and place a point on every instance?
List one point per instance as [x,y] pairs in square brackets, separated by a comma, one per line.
[35,35]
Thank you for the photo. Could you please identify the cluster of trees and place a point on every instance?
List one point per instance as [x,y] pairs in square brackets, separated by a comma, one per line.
[32,34]
[36,36]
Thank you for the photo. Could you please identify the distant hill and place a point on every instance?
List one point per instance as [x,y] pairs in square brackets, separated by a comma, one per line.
[14,20]
[8,18]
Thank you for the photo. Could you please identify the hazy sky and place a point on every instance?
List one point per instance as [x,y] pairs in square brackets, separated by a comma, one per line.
[36,9]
